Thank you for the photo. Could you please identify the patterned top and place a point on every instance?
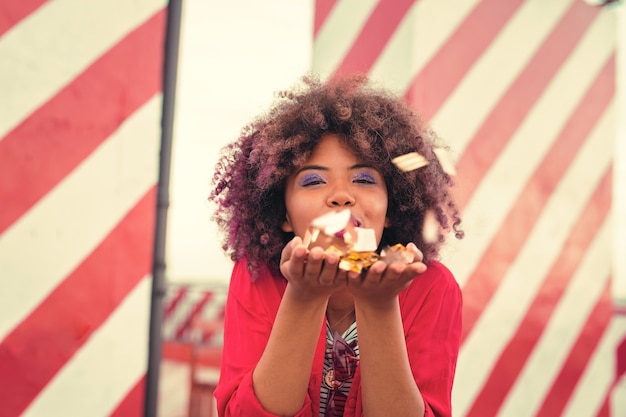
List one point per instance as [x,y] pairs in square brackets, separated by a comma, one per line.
[350,336]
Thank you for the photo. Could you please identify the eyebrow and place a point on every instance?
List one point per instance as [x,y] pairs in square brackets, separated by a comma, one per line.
[325,168]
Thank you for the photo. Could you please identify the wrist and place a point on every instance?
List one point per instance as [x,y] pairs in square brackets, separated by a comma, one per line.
[305,297]
[378,307]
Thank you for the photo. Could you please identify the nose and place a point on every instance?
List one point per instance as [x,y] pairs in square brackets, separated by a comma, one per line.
[340,198]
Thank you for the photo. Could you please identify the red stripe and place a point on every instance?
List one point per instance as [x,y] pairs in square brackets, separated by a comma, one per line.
[586,344]
[12,11]
[438,79]
[620,368]
[605,409]
[57,137]
[186,324]
[322,10]
[174,301]
[76,308]
[374,35]
[507,115]
[506,244]
[133,403]
[518,350]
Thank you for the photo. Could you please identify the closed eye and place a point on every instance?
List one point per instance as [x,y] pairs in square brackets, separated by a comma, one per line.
[364,177]
[310,179]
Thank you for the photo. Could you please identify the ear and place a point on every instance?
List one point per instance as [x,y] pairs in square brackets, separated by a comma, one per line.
[387,222]
[286,226]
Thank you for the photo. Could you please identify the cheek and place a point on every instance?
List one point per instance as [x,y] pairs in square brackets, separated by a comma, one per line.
[297,217]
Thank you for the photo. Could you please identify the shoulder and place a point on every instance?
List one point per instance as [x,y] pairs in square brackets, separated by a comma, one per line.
[432,303]
[437,274]
[264,292]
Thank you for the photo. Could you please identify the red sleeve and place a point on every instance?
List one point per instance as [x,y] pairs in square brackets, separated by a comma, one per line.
[250,312]
[431,310]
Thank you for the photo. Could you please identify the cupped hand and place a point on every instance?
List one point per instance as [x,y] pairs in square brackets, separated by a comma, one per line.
[381,283]
[311,273]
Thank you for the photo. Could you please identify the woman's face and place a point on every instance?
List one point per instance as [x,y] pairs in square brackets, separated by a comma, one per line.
[333,179]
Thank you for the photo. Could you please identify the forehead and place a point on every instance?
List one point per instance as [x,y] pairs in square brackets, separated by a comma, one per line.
[332,146]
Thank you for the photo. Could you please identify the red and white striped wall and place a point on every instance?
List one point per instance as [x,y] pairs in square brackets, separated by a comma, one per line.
[80,109]
[524,93]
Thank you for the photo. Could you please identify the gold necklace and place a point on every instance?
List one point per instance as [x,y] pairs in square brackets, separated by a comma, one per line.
[332,327]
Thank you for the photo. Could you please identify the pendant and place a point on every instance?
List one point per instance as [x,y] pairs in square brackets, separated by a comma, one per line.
[330,381]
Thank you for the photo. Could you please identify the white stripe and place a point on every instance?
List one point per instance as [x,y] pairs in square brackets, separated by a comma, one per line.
[174,388]
[596,381]
[419,36]
[475,97]
[106,368]
[619,168]
[52,46]
[563,327]
[48,242]
[340,30]
[483,215]
[501,316]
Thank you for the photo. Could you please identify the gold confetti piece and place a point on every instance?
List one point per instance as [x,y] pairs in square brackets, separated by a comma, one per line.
[356,261]
[334,249]
[397,253]
[346,265]
[445,160]
[430,228]
[331,223]
[365,241]
[410,161]
[310,236]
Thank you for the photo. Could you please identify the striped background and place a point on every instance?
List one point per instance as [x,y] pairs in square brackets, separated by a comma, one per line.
[524,92]
[79,138]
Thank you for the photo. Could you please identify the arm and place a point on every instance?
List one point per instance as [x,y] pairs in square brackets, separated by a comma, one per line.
[271,335]
[312,277]
[418,335]
[387,383]
[249,316]
[279,379]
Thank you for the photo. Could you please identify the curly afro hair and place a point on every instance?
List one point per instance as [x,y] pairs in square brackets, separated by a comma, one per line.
[250,176]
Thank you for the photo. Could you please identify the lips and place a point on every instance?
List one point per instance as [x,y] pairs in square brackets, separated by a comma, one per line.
[355,221]
[341,232]
[333,222]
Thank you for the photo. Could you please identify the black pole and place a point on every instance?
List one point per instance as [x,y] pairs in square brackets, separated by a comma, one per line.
[170,69]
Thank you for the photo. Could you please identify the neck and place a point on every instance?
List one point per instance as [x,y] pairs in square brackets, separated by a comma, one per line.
[340,311]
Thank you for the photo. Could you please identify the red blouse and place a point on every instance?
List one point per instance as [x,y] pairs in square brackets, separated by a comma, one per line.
[431,315]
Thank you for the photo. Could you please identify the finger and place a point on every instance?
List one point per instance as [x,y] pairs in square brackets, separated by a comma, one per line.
[330,273]
[418,256]
[314,262]
[286,252]
[416,268]
[394,271]
[375,273]
[293,258]
[404,273]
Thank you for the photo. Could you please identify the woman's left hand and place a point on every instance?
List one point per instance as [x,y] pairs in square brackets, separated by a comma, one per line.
[381,283]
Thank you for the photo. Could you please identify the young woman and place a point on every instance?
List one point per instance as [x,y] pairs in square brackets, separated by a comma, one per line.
[302,336]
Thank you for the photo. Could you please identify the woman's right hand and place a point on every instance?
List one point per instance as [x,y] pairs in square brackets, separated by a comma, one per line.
[311,273]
